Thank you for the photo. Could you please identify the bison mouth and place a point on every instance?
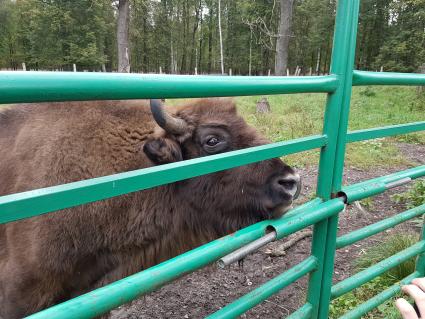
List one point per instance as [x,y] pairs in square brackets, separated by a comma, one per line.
[243,217]
[270,211]
[280,210]
[276,209]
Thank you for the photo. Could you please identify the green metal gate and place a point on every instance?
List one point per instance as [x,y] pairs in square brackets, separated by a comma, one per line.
[322,212]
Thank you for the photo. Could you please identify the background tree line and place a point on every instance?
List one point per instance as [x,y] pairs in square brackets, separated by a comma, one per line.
[178,36]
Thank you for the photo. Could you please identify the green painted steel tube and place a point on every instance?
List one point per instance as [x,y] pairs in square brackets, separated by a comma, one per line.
[351,23]
[318,250]
[368,274]
[378,227]
[303,207]
[302,313]
[420,261]
[125,290]
[335,126]
[364,191]
[387,78]
[368,134]
[378,185]
[266,290]
[32,203]
[380,298]
[28,87]
[287,225]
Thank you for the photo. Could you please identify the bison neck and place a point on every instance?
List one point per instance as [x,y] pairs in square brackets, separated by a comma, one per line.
[151,231]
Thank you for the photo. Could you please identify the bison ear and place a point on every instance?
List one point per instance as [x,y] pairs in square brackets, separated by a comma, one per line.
[162,151]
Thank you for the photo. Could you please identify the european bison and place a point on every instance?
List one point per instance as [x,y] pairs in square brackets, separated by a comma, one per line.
[53,257]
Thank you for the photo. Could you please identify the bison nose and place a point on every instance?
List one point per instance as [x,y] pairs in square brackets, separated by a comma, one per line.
[289,184]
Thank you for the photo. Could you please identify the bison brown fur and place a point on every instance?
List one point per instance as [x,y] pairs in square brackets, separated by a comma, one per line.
[53,257]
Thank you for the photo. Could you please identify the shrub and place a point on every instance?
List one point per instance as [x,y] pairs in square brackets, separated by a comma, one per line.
[415,196]
[368,91]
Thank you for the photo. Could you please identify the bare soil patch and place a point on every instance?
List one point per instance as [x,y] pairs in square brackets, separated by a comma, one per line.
[205,291]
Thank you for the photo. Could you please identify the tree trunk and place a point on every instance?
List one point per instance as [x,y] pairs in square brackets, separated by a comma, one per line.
[185,19]
[173,64]
[318,62]
[199,64]
[250,53]
[210,39]
[221,37]
[122,36]
[194,52]
[145,59]
[282,42]
[263,105]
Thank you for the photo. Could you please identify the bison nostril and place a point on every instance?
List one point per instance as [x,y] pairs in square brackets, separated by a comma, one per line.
[289,184]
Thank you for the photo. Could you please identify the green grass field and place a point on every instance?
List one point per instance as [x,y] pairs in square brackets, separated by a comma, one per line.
[298,115]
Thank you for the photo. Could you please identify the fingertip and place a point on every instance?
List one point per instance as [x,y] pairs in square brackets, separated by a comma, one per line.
[400,301]
[405,309]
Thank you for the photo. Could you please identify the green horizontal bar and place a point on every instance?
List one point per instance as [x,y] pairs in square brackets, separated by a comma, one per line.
[102,300]
[375,301]
[387,78]
[368,274]
[368,134]
[378,185]
[304,312]
[290,224]
[263,292]
[27,87]
[36,202]
[313,203]
[378,227]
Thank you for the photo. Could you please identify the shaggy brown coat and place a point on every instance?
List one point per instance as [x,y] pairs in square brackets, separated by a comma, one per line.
[51,258]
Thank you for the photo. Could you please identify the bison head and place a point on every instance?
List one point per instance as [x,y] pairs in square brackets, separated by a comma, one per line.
[227,200]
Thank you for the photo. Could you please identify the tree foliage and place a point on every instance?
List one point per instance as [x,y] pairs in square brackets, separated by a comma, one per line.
[178,36]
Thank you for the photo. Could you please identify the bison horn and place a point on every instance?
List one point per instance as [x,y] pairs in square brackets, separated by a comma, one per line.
[165,120]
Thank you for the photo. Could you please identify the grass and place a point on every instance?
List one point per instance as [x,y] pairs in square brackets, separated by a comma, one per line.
[373,255]
[298,115]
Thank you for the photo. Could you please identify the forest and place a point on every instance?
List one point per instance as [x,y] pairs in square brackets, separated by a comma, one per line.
[183,36]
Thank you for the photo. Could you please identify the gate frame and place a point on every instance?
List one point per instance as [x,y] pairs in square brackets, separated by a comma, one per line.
[321,212]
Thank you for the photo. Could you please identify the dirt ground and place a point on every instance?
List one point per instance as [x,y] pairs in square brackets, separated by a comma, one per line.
[207,290]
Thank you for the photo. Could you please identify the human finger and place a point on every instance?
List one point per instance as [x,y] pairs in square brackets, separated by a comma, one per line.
[406,309]
[420,282]
[418,295]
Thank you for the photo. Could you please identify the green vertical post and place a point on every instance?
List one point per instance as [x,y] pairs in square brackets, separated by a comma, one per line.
[332,156]
[420,261]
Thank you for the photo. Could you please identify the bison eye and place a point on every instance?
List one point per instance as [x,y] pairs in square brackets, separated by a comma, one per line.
[213,141]
[214,144]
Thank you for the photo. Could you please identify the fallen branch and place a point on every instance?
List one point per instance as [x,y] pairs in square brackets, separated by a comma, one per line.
[281,249]
[361,209]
